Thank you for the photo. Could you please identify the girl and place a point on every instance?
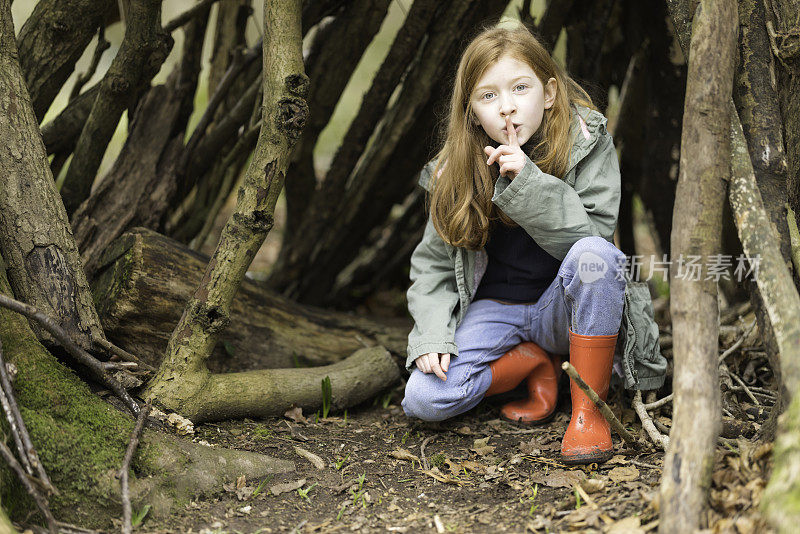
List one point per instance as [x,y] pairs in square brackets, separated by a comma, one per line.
[516,262]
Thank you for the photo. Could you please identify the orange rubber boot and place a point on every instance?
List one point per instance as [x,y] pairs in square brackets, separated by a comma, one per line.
[588,436]
[531,362]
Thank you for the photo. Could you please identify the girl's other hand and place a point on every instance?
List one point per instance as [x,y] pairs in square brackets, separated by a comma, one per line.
[429,363]
[510,157]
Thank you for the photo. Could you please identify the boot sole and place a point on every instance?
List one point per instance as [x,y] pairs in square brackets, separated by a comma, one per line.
[537,422]
[598,457]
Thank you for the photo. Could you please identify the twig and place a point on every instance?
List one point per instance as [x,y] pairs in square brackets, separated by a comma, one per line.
[746,389]
[422,457]
[601,405]
[126,464]
[41,502]
[12,422]
[102,46]
[647,423]
[121,353]
[187,15]
[27,452]
[738,343]
[659,403]
[77,352]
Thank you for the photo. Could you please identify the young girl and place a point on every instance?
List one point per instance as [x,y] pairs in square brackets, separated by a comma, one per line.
[516,264]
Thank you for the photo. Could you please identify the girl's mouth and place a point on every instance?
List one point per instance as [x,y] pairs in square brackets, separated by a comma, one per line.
[516,129]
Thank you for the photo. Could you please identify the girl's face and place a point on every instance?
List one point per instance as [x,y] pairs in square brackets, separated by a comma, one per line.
[511,87]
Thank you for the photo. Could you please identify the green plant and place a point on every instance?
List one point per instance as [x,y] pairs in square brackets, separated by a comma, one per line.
[137,516]
[405,437]
[303,493]
[261,485]
[229,348]
[341,511]
[532,498]
[340,462]
[344,421]
[386,399]
[438,460]
[262,433]
[577,498]
[327,395]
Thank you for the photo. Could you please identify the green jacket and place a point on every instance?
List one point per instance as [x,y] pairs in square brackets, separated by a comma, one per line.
[556,213]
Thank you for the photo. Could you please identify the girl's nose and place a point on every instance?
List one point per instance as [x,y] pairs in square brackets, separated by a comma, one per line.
[507,107]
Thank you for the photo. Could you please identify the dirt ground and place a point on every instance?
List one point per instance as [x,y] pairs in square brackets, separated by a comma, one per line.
[380,471]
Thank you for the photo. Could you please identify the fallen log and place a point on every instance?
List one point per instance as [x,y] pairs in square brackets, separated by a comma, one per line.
[144,280]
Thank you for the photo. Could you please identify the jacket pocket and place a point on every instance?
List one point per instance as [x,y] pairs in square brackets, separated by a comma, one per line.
[644,365]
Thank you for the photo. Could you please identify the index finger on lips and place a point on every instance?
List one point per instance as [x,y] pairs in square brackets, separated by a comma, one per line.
[512,133]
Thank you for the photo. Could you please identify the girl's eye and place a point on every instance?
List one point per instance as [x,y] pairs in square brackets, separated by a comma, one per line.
[523,85]
[485,95]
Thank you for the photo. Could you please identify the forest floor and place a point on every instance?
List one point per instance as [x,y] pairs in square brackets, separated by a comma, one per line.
[380,471]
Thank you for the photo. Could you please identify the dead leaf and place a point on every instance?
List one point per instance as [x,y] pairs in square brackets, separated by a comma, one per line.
[559,478]
[435,473]
[277,489]
[296,415]
[403,454]
[482,447]
[625,473]
[241,482]
[311,457]
[629,525]
[593,485]
[464,430]
[244,492]
[181,424]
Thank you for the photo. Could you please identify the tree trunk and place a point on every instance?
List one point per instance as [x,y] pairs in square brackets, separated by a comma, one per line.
[140,187]
[52,40]
[145,279]
[704,166]
[81,440]
[183,380]
[143,50]
[35,236]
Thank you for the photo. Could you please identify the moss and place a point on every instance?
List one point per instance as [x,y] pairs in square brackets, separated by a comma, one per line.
[79,437]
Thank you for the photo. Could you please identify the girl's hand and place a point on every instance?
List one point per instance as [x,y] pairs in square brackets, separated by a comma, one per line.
[429,363]
[510,157]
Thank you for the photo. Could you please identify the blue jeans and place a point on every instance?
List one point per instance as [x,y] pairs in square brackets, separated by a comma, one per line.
[587,296]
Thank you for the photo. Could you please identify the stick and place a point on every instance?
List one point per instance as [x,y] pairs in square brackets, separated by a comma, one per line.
[422,452]
[126,464]
[102,46]
[27,452]
[77,352]
[121,353]
[187,15]
[41,502]
[647,423]
[601,405]
[659,403]
[738,343]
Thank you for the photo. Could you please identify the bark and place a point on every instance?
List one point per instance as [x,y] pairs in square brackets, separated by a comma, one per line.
[232,18]
[315,10]
[552,21]
[782,303]
[143,50]
[395,155]
[784,16]
[705,151]
[35,236]
[139,188]
[310,214]
[329,69]
[61,133]
[81,441]
[146,279]
[52,40]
